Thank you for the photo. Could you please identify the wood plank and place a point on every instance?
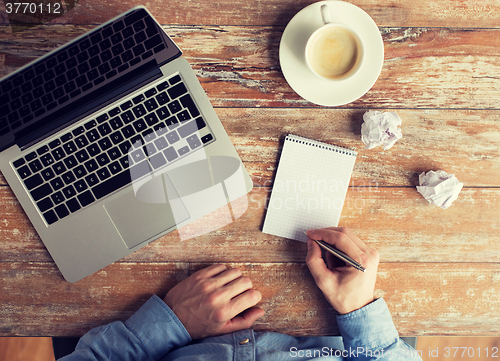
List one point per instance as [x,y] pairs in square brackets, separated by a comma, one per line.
[239,66]
[397,222]
[26,348]
[461,142]
[442,299]
[424,299]
[443,13]
[40,302]
[459,348]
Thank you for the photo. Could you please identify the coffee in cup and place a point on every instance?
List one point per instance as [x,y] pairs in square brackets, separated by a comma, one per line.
[334,51]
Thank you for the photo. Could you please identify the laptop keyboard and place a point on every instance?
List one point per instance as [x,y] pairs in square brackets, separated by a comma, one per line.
[74,71]
[144,133]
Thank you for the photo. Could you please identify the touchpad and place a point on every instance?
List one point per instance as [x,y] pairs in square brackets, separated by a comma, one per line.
[141,215]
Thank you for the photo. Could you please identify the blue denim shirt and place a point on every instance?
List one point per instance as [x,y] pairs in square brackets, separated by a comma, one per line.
[155,333]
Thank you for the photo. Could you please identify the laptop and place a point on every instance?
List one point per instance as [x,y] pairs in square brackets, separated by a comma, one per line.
[110,142]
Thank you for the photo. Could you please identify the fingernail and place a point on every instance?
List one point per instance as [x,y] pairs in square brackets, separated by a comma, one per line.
[309,244]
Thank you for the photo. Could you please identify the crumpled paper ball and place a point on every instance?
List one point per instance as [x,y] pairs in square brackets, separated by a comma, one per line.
[439,188]
[380,128]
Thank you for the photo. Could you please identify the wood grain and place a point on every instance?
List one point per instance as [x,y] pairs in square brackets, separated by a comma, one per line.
[26,348]
[443,13]
[397,222]
[461,142]
[421,297]
[239,66]
[439,272]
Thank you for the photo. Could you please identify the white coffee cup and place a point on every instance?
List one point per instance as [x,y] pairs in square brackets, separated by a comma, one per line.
[334,51]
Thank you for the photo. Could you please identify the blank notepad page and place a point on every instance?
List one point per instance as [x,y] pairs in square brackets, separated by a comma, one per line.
[309,188]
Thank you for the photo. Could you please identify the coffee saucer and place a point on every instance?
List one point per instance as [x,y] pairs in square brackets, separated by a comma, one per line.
[293,62]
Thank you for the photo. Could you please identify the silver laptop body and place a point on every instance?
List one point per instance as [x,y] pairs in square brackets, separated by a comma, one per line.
[129,165]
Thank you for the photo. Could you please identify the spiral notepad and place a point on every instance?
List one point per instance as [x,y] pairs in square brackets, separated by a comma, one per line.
[309,188]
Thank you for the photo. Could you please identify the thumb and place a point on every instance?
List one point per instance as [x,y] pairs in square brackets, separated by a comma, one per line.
[314,260]
[244,320]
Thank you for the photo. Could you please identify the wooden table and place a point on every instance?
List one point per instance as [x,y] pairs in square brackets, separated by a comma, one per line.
[439,271]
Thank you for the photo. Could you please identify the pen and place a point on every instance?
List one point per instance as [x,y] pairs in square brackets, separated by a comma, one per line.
[338,253]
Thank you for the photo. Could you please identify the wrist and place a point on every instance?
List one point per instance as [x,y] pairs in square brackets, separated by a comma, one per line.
[346,309]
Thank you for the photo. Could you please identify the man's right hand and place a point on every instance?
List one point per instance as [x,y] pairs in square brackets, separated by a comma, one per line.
[215,301]
[345,288]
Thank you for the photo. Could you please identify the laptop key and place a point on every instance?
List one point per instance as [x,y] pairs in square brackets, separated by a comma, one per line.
[184,116]
[86,198]
[174,106]
[163,86]
[115,167]
[73,205]
[48,174]
[193,141]
[92,180]
[81,141]
[157,160]
[57,183]
[59,167]
[33,181]
[207,138]
[30,156]
[177,91]
[91,165]
[57,197]
[58,153]
[68,177]
[80,186]
[173,137]
[24,171]
[183,150]
[70,147]
[41,192]
[45,204]
[174,79]
[69,192]
[61,211]
[127,117]
[162,113]
[126,105]
[42,150]
[70,162]
[138,99]
[66,137]
[139,111]
[121,179]
[188,129]
[93,150]
[46,160]
[170,153]
[104,129]
[35,166]
[50,217]
[188,102]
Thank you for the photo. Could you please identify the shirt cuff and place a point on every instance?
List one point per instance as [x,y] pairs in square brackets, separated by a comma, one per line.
[158,328]
[370,327]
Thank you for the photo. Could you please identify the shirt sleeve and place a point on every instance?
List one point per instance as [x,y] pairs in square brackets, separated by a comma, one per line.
[370,334]
[149,334]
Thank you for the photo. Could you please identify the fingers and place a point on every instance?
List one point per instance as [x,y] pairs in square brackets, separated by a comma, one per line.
[231,288]
[352,236]
[210,271]
[341,240]
[244,320]
[315,262]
